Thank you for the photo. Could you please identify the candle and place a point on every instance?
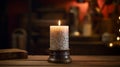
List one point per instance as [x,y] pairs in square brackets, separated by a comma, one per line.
[59,37]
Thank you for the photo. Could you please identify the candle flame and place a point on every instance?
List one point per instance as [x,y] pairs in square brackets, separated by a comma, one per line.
[59,22]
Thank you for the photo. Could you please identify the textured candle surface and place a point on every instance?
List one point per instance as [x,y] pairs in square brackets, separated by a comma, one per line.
[59,37]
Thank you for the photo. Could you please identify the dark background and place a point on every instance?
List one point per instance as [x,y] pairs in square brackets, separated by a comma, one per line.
[12,10]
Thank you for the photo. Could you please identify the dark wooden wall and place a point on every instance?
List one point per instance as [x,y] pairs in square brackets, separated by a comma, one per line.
[12,10]
[3,24]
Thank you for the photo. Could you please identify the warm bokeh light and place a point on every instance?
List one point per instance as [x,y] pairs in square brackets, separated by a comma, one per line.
[119,17]
[77,33]
[118,38]
[97,9]
[110,44]
[119,30]
[59,22]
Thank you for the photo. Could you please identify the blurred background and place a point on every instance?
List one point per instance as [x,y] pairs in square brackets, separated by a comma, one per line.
[94,25]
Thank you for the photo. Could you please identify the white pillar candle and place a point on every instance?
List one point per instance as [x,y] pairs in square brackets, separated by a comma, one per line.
[59,37]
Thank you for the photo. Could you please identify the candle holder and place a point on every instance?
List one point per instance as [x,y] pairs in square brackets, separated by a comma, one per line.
[59,56]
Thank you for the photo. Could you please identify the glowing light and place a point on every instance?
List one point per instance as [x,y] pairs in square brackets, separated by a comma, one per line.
[111,45]
[119,30]
[97,9]
[118,38]
[59,22]
[76,33]
[119,17]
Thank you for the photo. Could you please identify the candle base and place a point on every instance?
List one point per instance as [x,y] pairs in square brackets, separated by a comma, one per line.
[59,56]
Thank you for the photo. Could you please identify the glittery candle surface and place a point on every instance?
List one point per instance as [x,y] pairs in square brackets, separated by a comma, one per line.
[59,38]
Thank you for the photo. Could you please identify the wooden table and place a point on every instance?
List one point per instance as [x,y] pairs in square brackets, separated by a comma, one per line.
[77,61]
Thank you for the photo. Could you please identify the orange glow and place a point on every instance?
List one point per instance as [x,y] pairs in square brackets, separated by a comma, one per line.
[59,22]
[100,3]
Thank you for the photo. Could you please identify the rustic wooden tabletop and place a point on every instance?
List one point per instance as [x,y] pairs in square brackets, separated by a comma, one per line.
[77,61]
